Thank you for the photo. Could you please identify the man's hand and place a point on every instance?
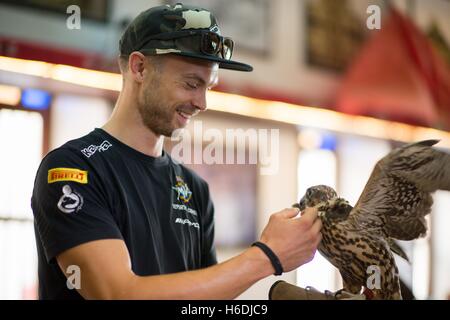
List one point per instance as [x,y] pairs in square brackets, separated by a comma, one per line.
[293,239]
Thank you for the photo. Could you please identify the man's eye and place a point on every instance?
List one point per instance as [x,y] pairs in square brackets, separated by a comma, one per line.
[191,85]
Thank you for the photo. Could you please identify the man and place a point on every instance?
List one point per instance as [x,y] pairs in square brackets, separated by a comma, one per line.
[117,218]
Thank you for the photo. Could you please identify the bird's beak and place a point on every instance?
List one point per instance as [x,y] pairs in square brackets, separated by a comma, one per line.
[302,204]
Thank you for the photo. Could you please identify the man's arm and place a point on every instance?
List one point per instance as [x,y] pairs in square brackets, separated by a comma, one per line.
[106,271]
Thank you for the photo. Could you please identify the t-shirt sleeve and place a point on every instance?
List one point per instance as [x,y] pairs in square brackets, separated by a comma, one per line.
[209,250]
[69,204]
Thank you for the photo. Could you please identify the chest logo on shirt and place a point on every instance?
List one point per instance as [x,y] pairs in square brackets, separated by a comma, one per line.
[89,151]
[71,201]
[183,192]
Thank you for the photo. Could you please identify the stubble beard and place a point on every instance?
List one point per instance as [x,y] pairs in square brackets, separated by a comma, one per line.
[155,113]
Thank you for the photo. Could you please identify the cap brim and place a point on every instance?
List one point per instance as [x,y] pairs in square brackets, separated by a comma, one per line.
[224,64]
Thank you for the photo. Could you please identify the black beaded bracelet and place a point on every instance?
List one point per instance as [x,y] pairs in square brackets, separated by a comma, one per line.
[272,257]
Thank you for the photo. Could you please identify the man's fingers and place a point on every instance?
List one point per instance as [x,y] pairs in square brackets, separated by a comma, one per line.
[309,215]
[289,213]
[317,225]
[319,239]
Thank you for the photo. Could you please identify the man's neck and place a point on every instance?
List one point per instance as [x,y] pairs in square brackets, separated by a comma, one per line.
[126,125]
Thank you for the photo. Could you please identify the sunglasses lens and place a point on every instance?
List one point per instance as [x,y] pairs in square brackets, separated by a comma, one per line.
[227,48]
[211,43]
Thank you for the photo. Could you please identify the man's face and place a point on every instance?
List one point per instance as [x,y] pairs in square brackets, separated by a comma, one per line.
[175,93]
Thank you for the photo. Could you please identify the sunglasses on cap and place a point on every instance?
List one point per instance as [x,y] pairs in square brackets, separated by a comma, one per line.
[203,41]
[213,44]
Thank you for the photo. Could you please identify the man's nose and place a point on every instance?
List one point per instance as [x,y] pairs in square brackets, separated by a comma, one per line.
[199,101]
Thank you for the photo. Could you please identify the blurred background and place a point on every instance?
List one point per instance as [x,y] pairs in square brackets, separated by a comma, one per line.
[341,89]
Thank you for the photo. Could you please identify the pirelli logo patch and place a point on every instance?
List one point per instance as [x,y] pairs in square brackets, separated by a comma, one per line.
[67,174]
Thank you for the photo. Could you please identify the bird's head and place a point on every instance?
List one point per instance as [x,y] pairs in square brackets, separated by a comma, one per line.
[325,199]
[316,195]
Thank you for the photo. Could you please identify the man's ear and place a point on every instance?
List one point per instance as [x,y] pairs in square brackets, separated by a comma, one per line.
[136,66]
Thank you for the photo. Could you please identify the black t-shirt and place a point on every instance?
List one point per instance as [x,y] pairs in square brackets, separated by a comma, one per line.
[97,187]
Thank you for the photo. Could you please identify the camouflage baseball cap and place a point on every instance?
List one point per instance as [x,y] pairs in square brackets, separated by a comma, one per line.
[179,29]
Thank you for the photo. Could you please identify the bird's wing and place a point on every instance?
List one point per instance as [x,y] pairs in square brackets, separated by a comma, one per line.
[397,195]
[422,165]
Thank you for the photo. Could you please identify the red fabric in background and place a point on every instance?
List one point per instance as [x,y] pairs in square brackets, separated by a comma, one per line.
[24,49]
[398,76]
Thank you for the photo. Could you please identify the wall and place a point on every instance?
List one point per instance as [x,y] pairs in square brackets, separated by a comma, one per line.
[74,116]
[282,72]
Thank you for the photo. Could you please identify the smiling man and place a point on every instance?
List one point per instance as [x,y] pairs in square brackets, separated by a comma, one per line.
[117,218]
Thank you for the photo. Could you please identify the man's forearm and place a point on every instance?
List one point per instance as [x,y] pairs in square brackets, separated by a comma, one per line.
[107,268]
[226,280]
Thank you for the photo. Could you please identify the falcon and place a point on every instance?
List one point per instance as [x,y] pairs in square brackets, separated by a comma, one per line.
[359,240]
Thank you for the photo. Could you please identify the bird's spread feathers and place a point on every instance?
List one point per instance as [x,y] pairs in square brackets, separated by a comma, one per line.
[393,205]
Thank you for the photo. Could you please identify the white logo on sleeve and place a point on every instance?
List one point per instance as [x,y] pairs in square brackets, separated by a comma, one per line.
[89,151]
[70,201]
